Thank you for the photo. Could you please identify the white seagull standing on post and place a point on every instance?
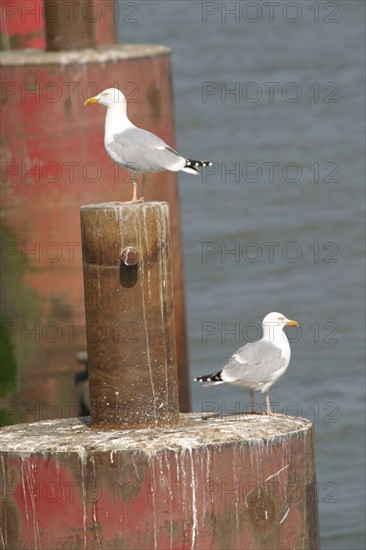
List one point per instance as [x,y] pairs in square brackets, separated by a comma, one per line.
[135,149]
[260,364]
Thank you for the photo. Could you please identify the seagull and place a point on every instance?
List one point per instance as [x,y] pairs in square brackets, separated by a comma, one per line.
[135,149]
[260,364]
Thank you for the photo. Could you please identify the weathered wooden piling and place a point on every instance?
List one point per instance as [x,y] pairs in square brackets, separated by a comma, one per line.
[129,314]
[68,28]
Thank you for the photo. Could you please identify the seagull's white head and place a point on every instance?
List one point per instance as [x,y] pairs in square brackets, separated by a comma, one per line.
[108,98]
[277,320]
[273,325]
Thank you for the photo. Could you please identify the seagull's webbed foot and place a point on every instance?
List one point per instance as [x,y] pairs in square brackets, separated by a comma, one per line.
[134,200]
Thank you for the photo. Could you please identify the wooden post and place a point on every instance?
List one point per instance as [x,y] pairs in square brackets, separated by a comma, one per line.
[129,314]
[69,25]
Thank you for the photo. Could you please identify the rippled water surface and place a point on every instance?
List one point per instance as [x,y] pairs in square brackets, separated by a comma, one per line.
[279,225]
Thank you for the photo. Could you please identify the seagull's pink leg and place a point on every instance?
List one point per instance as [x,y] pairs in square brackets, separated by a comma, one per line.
[143,188]
[269,412]
[251,396]
[134,195]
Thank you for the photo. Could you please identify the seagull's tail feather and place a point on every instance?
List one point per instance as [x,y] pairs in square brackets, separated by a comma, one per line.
[192,166]
[212,378]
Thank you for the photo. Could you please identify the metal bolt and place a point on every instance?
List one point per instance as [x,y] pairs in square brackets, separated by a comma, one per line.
[130,256]
[82,357]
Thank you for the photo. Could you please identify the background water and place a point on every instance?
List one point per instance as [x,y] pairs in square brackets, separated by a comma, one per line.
[317,283]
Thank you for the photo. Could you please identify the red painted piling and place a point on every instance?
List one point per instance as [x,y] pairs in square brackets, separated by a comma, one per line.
[22,25]
[244,482]
[53,162]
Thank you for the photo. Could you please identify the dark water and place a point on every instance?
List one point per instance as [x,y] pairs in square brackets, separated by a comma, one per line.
[287,199]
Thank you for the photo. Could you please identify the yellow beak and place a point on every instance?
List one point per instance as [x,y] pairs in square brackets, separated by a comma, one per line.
[292,323]
[91,100]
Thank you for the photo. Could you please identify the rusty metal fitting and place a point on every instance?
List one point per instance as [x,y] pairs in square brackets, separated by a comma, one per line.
[130,256]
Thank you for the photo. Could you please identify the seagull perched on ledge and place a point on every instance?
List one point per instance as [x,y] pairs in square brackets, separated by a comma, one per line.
[260,364]
[137,150]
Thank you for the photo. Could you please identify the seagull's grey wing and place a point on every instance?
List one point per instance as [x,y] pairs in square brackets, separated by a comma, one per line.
[254,364]
[142,151]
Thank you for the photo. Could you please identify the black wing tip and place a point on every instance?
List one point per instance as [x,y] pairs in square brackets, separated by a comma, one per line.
[209,378]
[198,163]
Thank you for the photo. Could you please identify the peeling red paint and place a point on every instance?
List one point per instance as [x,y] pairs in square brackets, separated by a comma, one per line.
[249,494]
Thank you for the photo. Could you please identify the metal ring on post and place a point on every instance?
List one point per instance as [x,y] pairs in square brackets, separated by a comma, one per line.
[129,256]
